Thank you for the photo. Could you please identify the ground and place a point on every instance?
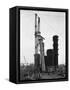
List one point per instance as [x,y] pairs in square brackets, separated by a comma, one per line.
[29,73]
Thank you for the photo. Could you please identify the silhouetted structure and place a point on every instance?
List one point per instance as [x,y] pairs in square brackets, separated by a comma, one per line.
[51,60]
[55,49]
[50,57]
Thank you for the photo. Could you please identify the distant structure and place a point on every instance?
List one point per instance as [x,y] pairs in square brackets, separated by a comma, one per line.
[55,49]
[50,57]
[52,54]
[39,46]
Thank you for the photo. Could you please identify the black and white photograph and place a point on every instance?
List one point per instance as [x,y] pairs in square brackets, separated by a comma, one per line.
[42,45]
[34,44]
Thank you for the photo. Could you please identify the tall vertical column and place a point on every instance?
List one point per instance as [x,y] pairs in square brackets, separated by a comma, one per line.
[38,25]
[37,54]
[39,45]
[37,33]
[55,49]
[36,37]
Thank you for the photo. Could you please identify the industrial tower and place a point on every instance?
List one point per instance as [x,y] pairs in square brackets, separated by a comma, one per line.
[39,46]
[55,49]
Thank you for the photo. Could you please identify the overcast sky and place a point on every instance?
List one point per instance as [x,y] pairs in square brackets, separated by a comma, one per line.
[51,23]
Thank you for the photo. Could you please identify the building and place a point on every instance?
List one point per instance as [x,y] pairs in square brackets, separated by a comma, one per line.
[51,58]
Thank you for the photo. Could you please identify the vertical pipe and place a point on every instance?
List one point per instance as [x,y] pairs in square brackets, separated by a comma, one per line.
[35,22]
[38,24]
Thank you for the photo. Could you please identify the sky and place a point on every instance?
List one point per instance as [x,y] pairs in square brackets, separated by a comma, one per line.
[51,23]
